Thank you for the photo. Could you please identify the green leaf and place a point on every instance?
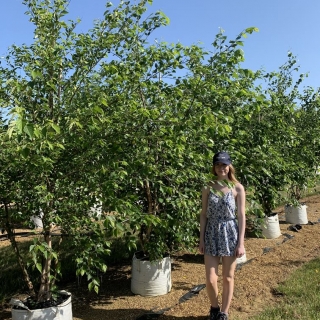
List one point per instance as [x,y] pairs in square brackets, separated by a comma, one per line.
[104,102]
[50,145]
[167,20]
[91,286]
[96,289]
[39,267]
[55,127]
[29,130]
[10,131]
[99,110]
[104,268]
[20,123]
[25,152]
[36,74]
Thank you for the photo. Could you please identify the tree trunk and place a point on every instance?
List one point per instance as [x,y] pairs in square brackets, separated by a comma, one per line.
[15,247]
[44,291]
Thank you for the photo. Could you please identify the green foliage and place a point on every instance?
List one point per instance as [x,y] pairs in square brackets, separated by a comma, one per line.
[273,152]
[158,151]
[255,218]
[104,116]
[59,124]
[305,151]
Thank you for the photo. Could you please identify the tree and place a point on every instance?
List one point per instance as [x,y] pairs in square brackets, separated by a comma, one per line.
[170,129]
[57,127]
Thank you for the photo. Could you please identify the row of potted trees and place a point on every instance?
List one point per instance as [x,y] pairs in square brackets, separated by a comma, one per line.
[278,158]
[86,126]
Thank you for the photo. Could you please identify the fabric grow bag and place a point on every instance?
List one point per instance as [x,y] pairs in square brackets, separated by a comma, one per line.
[151,278]
[271,227]
[296,215]
[61,312]
[242,259]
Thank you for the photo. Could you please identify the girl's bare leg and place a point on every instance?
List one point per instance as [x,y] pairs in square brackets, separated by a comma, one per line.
[228,269]
[211,266]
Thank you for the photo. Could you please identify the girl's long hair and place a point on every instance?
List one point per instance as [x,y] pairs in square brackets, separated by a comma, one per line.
[231,173]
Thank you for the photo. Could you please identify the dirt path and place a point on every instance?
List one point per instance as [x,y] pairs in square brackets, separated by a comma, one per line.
[270,262]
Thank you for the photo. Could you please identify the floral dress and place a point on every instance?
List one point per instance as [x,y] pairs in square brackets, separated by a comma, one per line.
[222,232]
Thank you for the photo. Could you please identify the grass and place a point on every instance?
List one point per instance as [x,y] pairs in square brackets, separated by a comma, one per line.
[301,296]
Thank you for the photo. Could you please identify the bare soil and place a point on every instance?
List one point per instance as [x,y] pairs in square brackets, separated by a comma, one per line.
[270,262]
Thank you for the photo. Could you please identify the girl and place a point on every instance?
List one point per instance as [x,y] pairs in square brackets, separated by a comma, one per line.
[221,231]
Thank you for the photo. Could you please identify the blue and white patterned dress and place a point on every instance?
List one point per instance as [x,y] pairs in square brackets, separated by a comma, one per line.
[222,232]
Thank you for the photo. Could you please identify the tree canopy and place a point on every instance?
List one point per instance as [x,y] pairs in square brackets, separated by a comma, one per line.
[105,116]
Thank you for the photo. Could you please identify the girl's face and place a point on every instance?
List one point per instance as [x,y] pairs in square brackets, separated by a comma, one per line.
[221,169]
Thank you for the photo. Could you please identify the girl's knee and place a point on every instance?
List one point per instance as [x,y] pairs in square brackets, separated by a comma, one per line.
[228,279]
[212,281]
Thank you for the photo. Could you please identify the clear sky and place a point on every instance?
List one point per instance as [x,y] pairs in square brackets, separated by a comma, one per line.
[285,25]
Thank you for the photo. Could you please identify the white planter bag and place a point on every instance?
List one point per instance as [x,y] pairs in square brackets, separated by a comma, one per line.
[36,220]
[96,210]
[243,259]
[151,278]
[240,260]
[296,215]
[61,312]
[271,227]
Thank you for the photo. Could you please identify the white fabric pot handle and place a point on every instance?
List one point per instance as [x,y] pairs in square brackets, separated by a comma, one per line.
[18,303]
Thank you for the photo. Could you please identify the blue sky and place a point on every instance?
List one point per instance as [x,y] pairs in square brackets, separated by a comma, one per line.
[284,25]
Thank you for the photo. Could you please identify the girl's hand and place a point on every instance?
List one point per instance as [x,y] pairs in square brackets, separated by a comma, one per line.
[240,251]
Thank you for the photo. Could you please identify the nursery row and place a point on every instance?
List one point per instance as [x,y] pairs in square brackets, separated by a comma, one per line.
[104,117]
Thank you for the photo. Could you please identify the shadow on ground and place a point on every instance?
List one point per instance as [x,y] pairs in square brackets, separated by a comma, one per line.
[127,314]
[4,314]
[190,258]
[184,318]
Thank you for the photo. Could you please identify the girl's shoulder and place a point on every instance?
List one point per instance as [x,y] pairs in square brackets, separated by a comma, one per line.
[239,187]
[211,185]
[206,189]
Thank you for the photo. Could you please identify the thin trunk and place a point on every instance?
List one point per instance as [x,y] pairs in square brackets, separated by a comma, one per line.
[149,196]
[11,236]
[44,291]
[147,231]
[51,105]
[56,261]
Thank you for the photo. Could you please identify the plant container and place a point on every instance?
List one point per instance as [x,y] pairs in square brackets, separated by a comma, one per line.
[296,215]
[242,259]
[62,311]
[271,227]
[150,278]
